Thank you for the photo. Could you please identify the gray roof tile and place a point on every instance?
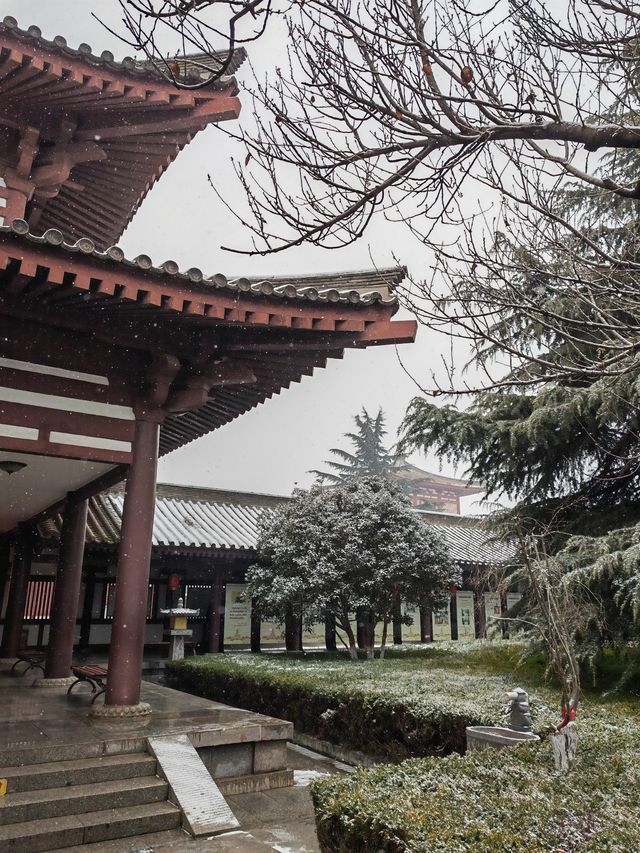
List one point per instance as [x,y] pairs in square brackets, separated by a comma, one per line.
[194,518]
[355,288]
[193,68]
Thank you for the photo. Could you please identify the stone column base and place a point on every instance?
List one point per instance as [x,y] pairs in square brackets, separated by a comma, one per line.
[142,709]
[55,682]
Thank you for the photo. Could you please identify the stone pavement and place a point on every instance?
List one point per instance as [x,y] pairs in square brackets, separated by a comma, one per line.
[280,820]
[55,726]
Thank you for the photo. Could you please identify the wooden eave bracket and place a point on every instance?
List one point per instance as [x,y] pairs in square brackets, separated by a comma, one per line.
[194,390]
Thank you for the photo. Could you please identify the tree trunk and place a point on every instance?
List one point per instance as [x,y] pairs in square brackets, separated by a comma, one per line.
[344,625]
[330,633]
[361,628]
[370,635]
[397,619]
[565,744]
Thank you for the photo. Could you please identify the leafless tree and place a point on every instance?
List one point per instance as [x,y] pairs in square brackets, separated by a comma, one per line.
[209,33]
[466,120]
[553,614]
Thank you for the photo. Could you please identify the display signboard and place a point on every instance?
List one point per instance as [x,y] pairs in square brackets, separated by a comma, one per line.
[237,615]
[271,633]
[465,614]
[492,609]
[441,622]
[512,599]
[411,633]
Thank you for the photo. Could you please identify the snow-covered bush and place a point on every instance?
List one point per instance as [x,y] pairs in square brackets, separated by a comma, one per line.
[354,547]
[492,801]
[404,706]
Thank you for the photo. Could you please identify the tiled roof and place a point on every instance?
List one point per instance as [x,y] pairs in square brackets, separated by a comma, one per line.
[193,67]
[406,471]
[354,288]
[194,518]
[133,117]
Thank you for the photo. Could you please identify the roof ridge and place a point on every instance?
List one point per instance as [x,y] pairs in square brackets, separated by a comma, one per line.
[165,490]
[141,68]
[263,287]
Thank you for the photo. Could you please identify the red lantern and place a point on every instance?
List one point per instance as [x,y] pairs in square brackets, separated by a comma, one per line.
[174,582]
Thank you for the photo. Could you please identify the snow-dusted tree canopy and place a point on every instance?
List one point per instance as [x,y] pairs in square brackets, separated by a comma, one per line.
[354,547]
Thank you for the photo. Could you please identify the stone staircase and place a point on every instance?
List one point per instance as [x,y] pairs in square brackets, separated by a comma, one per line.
[73,803]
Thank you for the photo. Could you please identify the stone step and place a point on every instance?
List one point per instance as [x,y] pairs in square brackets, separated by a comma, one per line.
[45,753]
[82,771]
[165,841]
[79,799]
[78,831]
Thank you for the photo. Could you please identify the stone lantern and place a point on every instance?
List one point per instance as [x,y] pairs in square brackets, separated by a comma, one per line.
[178,628]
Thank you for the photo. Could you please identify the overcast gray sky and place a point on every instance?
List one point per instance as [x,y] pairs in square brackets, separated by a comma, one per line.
[273,447]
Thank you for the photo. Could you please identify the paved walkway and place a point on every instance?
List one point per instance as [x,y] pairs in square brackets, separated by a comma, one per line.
[50,723]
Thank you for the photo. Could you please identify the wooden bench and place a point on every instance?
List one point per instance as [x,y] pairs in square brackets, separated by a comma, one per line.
[96,676]
[33,659]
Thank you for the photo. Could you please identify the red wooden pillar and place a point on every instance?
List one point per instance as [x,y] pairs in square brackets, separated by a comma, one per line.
[5,568]
[256,623]
[425,625]
[20,571]
[292,632]
[215,640]
[132,580]
[62,632]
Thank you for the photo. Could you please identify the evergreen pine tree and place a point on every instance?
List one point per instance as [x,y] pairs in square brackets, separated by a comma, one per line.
[567,453]
[369,457]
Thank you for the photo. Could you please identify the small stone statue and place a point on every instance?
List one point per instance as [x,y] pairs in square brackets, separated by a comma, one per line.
[519,711]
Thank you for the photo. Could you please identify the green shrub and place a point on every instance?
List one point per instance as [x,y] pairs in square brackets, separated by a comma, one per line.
[509,800]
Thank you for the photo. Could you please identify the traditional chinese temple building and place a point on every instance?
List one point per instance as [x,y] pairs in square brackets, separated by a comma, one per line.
[202,544]
[108,362]
[427,490]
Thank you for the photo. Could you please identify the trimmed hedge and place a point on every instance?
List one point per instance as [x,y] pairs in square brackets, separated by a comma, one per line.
[390,709]
[509,800]
[419,701]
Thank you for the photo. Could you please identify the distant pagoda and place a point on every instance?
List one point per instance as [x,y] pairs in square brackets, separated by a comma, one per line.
[433,491]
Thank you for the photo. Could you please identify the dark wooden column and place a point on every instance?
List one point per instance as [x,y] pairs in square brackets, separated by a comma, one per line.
[330,634]
[292,633]
[425,624]
[255,631]
[215,639]
[5,567]
[87,610]
[62,633]
[20,571]
[132,579]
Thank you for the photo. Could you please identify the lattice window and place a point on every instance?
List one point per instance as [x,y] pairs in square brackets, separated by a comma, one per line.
[39,600]
[110,600]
